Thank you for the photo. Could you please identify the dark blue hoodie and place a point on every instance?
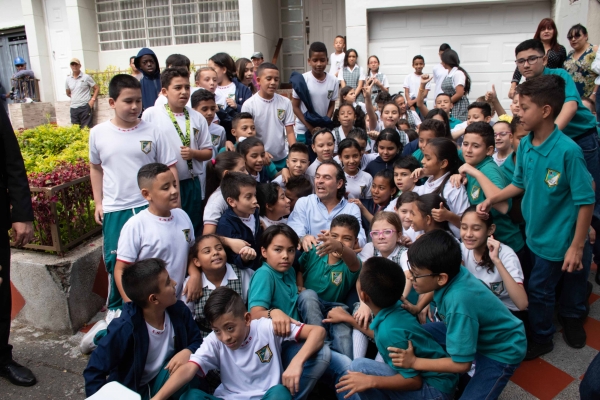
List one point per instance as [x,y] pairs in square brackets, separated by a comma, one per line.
[231,226]
[379,165]
[121,354]
[150,83]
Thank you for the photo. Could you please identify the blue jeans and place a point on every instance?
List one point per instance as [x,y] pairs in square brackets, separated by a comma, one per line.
[313,310]
[338,367]
[313,368]
[590,385]
[372,367]
[591,153]
[277,392]
[490,376]
[545,276]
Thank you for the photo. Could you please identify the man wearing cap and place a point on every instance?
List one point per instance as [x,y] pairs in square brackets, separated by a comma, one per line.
[22,71]
[257,59]
[78,87]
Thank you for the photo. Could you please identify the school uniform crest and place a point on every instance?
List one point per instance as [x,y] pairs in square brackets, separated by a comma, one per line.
[475,192]
[336,278]
[265,354]
[215,139]
[280,114]
[186,233]
[231,96]
[146,146]
[363,191]
[497,287]
[196,133]
[552,177]
[329,94]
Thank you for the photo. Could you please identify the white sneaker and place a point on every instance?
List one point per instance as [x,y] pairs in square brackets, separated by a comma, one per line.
[112,314]
[87,344]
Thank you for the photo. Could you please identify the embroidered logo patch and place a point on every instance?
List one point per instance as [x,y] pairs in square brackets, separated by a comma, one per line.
[280,114]
[146,146]
[215,139]
[475,192]
[186,233]
[336,278]
[196,133]
[265,354]
[231,96]
[497,287]
[363,191]
[329,94]
[552,177]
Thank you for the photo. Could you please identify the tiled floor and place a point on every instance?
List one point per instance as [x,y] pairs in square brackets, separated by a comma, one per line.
[557,375]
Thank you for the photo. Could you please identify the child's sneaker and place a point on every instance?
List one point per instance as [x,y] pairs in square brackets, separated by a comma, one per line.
[112,314]
[87,344]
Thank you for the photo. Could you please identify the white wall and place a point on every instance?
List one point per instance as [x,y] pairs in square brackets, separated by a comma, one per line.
[259,27]
[11,15]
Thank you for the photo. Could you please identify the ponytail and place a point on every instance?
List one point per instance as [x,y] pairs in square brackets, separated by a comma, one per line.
[215,169]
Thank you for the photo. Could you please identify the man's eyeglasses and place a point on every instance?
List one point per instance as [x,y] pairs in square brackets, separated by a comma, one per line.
[531,60]
[415,276]
[501,134]
[575,36]
[386,233]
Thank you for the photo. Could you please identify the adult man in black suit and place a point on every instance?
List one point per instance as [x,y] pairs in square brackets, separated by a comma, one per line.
[15,212]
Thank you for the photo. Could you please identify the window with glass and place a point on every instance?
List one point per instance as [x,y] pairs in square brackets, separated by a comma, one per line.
[131,24]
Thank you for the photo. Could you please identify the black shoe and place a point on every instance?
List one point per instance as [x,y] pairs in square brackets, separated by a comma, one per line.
[535,350]
[573,331]
[17,374]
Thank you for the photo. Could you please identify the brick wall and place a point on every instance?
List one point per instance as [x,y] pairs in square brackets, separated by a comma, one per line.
[102,112]
[30,115]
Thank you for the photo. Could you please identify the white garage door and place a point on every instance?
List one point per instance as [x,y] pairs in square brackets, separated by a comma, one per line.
[484,36]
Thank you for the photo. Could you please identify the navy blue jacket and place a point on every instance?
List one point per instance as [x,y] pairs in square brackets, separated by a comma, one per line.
[150,83]
[379,165]
[226,115]
[231,226]
[121,354]
[301,89]
[410,148]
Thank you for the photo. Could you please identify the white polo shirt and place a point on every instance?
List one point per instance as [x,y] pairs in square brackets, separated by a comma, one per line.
[161,345]
[215,207]
[359,185]
[223,93]
[248,372]
[146,235]
[337,62]
[200,139]
[321,93]
[271,118]
[121,153]
[493,279]
[413,83]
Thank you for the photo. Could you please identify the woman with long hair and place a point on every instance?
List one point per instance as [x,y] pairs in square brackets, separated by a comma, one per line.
[457,84]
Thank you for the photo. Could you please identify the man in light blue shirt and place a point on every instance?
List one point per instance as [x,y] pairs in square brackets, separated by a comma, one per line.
[314,213]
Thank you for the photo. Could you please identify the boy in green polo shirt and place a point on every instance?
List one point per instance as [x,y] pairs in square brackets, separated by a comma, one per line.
[483,332]
[394,327]
[485,179]
[327,273]
[557,206]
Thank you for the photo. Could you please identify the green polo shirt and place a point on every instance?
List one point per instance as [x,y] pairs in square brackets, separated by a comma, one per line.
[394,327]
[418,154]
[478,322]
[453,122]
[507,231]
[556,182]
[508,167]
[332,282]
[273,289]
[583,120]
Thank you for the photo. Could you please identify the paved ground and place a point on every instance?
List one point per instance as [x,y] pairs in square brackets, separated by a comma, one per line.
[56,361]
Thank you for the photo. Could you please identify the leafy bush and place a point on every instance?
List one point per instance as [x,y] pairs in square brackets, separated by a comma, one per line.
[47,146]
[102,78]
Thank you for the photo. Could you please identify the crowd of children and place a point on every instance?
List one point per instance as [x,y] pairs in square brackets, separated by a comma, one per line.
[346,242]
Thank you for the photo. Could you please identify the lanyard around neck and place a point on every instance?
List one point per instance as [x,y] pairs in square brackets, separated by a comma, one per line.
[185,139]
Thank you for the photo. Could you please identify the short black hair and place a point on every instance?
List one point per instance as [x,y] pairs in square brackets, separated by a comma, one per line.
[383,97]
[408,162]
[339,176]
[438,251]
[201,95]
[436,126]
[348,144]
[485,108]
[168,74]
[444,47]
[358,133]
[484,130]
[178,60]
[267,194]
[317,47]
[140,280]
[299,185]
[382,280]
[531,44]
[545,90]
[221,301]
[406,198]
[232,182]
[418,57]
[265,65]
[120,82]
[279,229]
[298,147]
[346,221]
[236,119]
[149,172]
[514,124]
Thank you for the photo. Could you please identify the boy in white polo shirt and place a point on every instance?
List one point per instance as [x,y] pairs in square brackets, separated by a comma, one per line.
[188,136]
[247,352]
[118,149]
[273,115]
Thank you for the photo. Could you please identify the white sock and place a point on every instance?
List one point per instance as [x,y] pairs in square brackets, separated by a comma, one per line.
[359,344]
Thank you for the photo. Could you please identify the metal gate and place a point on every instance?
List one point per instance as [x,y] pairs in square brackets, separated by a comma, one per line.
[13,43]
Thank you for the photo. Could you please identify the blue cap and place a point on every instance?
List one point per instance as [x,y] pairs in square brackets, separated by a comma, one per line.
[19,61]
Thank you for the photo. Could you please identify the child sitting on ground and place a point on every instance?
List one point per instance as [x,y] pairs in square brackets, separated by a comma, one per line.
[247,352]
[273,205]
[154,336]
